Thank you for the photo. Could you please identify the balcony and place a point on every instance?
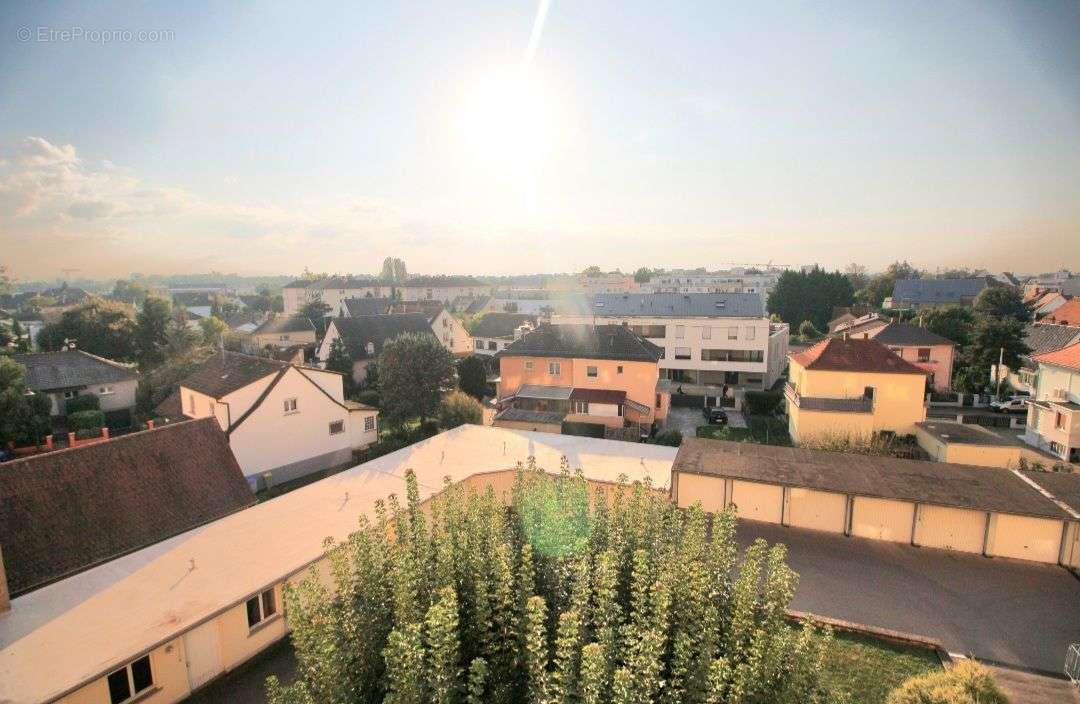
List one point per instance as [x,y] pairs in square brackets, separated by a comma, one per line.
[858,404]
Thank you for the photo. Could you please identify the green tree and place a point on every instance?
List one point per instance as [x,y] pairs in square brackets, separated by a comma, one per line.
[966,682]
[415,370]
[316,311]
[459,408]
[24,418]
[952,322]
[213,330]
[151,331]
[472,376]
[101,327]
[993,339]
[644,274]
[394,270]
[881,286]
[263,301]
[811,295]
[807,331]
[131,292]
[1001,302]
[19,336]
[592,271]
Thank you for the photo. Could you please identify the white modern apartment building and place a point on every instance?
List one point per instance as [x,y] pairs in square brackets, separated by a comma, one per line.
[714,343]
[735,280]
[335,289]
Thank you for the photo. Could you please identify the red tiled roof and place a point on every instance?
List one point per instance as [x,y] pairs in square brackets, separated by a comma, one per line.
[1068,357]
[64,512]
[1068,314]
[837,354]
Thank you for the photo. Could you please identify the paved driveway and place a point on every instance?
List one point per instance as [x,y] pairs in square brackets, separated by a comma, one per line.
[685,420]
[1007,611]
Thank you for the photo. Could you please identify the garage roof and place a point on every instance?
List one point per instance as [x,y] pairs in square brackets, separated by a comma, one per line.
[962,486]
[1065,486]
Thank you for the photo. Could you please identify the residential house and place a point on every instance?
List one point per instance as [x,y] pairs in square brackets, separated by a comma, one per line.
[331,291]
[924,349]
[594,377]
[843,315]
[495,331]
[1039,338]
[1067,314]
[368,305]
[450,331]
[67,511]
[922,293]
[715,344]
[848,387]
[1048,303]
[593,284]
[69,373]
[442,288]
[1053,422]
[365,335]
[284,331]
[283,420]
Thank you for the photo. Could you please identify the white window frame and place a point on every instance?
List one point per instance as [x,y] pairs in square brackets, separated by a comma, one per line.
[733,332]
[592,371]
[106,390]
[369,423]
[529,366]
[683,353]
[706,333]
[680,332]
[68,395]
[341,429]
[127,669]
[581,407]
[554,369]
[751,333]
[260,600]
[290,405]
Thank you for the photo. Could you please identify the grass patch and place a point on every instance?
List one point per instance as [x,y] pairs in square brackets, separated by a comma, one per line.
[764,430]
[866,669]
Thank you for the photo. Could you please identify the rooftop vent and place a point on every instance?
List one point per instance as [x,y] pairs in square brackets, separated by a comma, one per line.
[721,304]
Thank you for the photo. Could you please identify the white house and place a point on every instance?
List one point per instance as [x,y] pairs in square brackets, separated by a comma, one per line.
[64,375]
[365,335]
[1053,422]
[495,331]
[714,343]
[283,420]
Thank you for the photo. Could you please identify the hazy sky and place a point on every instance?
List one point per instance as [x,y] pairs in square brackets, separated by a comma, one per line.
[266,137]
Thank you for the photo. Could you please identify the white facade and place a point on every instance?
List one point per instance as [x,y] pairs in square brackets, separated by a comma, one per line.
[444,294]
[735,280]
[283,426]
[1053,422]
[113,396]
[333,291]
[451,333]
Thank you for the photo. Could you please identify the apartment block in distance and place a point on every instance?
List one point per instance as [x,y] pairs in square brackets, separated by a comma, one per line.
[714,343]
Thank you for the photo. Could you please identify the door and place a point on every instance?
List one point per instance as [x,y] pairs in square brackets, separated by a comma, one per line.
[203,654]
[950,528]
[757,502]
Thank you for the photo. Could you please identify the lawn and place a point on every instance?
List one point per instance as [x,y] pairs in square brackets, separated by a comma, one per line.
[867,668]
[765,430]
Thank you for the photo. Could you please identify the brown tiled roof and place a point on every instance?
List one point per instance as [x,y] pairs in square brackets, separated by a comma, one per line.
[221,374]
[501,324]
[1068,357]
[63,512]
[584,342]
[1067,314]
[836,354]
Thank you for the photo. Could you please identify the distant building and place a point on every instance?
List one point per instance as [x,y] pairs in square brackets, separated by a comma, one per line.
[365,336]
[586,377]
[65,375]
[1039,338]
[920,293]
[846,387]
[284,331]
[1066,314]
[335,289]
[923,348]
[368,305]
[735,280]
[495,331]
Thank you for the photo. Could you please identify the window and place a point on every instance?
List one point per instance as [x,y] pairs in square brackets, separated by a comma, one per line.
[445,323]
[529,366]
[924,354]
[478,344]
[370,348]
[369,423]
[260,607]
[581,407]
[130,680]
[591,372]
[70,394]
[751,333]
[658,400]
[682,353]
[733,333]
[338,426]
[1059,421]
[105,390]
[492,345]
[554,369]
[713,355]
[680,332]
[706,333]
[618,369]
[283,338]
[290,405]
[191,403]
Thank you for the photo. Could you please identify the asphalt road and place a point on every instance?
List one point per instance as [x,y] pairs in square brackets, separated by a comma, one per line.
[1013,613]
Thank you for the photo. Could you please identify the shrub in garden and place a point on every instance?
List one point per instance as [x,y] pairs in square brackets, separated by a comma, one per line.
[554,599]
[85,420]
[967,682]
[368,397]
[671,438]
[458,408]
[85,402]
[762,403]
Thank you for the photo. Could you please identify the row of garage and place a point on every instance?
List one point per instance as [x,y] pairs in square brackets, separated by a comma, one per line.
[994,533]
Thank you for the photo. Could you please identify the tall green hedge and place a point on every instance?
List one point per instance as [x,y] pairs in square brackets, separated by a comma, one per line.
[85,420]
[762,403]
[84,402]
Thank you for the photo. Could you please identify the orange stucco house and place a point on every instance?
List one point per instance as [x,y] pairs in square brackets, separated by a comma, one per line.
[929,351]
[593,377]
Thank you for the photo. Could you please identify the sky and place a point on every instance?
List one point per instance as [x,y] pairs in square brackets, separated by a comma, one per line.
[469,137]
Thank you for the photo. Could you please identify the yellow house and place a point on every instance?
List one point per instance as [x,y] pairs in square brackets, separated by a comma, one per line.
[844,387]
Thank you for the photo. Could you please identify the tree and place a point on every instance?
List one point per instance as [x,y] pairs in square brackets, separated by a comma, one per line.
[951,322]
[263,301]
[151,331]
[807,331]
[131,292]
[993,339]
[393,269]
[19,336]
[881,286]
[414,372]
[24,419]
[644,274]
[459,408]
[592,271]
[6,284]
[101,327]
[339,361]
[472,376]
[811,295]
[213,330]
[558,598]
[156,386]
[1001,302]
[966,682]
[316,311]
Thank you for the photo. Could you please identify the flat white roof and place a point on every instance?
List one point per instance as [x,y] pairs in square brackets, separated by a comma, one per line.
[57,638]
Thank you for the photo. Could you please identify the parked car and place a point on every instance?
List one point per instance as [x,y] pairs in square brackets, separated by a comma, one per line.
[714,415]
[1016,404]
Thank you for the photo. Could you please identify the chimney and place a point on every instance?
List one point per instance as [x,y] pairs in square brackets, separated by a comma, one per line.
[5,597]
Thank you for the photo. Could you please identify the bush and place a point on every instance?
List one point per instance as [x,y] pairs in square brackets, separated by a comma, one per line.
[671,438]
[85,402]
[85,420]
[368,397]
[762,403]
[552,599]
[967,682]
[459,408]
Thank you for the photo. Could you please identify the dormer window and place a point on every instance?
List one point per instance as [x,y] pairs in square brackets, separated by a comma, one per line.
[370,348]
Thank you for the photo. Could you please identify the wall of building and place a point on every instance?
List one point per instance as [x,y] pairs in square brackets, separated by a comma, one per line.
[285,339]
[451,333]
[167,665]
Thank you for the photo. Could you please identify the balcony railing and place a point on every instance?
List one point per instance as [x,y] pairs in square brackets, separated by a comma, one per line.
[858,404]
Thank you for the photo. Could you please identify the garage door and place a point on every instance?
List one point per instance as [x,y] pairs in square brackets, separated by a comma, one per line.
[757,502]
[1072,546]
[817,510]
[203,651]
[1025,538]
[693,488]
[882,519]
[950,528]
